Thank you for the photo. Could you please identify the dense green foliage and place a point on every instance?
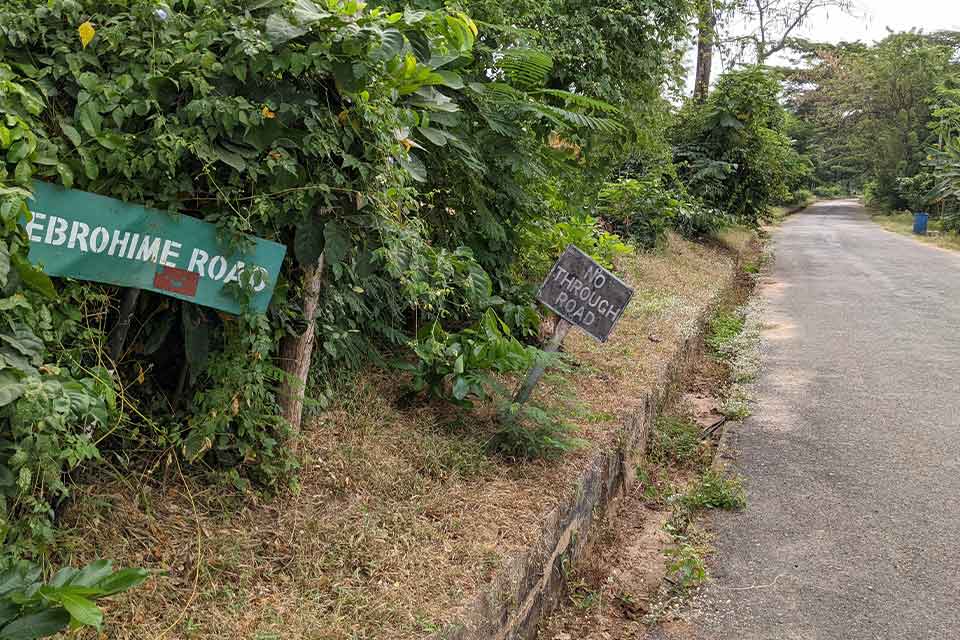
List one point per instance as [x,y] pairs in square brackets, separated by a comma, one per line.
[437,157]
[31,608]
[734,151]
[877,117]
[413,149]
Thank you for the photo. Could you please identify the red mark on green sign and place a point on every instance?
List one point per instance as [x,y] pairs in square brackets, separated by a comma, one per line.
[177,280]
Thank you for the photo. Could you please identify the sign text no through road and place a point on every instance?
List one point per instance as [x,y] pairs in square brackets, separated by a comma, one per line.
[585,294]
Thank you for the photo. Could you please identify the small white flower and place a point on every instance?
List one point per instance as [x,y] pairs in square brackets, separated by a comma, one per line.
[161,14]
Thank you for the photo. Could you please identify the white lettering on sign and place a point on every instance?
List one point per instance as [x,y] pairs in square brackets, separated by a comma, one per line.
[576,296]
[56,231]
[584,293]
[99,239]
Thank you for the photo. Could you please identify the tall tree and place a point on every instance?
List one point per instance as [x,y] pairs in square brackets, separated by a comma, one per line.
[706,40]
[871,107]
[771,24]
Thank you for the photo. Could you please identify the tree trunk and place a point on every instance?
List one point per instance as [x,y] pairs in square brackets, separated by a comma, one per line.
[296,352]
[705,40]
[118,337]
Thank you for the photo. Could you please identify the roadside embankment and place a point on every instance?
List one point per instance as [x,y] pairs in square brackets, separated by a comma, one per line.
[403,525]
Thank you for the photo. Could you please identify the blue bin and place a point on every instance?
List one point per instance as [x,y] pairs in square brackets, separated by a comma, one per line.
[920,223]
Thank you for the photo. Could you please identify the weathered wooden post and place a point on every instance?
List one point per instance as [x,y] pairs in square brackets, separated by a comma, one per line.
[584,295]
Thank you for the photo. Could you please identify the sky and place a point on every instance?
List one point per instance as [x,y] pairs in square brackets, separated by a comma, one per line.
[875,16]
[868,22]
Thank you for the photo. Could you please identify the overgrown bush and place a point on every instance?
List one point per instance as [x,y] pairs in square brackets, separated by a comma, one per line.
[459,367]
[733,151]
[315,124]
[828,191]
[918,192]
[643,209]
[639,209]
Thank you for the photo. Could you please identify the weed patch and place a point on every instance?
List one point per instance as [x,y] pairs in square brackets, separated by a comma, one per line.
[715,490]
[687,566]
[531,433]
[724,328]
[677,442]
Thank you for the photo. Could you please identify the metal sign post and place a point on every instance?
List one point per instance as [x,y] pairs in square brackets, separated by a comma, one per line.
[584,295]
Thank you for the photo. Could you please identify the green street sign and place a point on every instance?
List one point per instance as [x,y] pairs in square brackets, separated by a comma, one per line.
[83,235]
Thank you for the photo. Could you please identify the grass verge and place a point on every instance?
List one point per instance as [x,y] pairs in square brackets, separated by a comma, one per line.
[902,223]
[402,514]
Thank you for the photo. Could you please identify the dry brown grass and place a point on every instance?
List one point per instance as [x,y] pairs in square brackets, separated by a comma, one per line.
[401,514]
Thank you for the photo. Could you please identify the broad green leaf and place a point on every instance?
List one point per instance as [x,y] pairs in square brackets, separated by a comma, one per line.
[24,341]
[90,119]
[336,243]
[228,157]
[391,44]
[66,174]
[415,167]
[307,12]
[72,134]
[83,610]
[90,166]
[14,360]
[34,278]
[17,579]
[280,30]
[413,17]
[20,149]
[39,625]
[64,576]
[450,79]
[420,45]
[93,573]
[23,173]
[5,138]
[122,580]
[308,242]
[461,388]
[436,136]
[8,610]
[10,387]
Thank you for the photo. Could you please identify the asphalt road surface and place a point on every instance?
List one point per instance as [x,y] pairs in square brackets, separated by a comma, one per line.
[852,459]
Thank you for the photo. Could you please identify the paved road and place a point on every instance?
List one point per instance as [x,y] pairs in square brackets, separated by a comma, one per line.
[853,457]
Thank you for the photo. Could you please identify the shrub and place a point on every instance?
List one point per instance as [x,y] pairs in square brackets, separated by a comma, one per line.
[639,209]
[543,241]
[733,150]
[828,191]
[800,197]
[530,433]
[677,441]
[32,608]
[459,367]
[643,209]
[918,192]
[334,128]
[716,491]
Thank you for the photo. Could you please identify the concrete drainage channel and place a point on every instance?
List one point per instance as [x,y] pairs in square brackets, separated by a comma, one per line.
[526,592]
